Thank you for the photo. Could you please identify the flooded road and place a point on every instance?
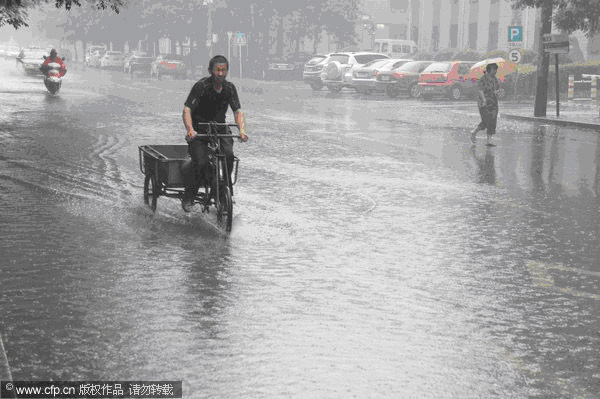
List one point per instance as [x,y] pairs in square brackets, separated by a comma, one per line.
[374,251]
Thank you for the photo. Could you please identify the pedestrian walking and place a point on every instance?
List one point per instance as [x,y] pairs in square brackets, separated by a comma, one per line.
[487,101]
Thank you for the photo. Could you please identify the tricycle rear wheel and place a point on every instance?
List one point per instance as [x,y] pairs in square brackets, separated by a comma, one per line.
[150,192]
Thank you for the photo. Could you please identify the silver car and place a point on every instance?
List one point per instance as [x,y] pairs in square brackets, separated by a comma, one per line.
[337,74]
[364,77]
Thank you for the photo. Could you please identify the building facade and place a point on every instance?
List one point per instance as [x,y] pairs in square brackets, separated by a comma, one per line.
[481,25]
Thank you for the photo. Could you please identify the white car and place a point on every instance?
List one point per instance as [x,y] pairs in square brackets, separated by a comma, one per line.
[31,59]
[337,74]
[112,59]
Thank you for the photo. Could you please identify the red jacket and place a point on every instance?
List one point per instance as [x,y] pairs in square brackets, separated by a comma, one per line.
[59,61]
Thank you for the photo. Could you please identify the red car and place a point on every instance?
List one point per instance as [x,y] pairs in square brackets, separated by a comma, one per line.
[447,78]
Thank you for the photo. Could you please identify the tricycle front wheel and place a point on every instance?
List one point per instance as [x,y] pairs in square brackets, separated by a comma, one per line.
[225,209]
[150,192]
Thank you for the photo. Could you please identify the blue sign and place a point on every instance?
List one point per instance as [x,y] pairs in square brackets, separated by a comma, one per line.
[515,33]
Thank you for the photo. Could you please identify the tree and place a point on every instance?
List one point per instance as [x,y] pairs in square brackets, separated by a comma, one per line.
[541,91]
[568,16]
[14,12]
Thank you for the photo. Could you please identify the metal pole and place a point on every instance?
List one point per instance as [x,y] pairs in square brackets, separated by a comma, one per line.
[557,88]
[240,53]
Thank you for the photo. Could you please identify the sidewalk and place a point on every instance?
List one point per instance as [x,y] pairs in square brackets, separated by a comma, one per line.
[582,114]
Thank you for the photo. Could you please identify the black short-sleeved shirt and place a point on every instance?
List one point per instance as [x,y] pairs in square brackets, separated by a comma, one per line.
[207,105]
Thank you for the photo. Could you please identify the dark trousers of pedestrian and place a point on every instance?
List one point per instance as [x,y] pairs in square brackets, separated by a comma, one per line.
[198,150]
[489,117]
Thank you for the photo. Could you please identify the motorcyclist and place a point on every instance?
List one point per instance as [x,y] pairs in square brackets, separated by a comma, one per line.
[54,58]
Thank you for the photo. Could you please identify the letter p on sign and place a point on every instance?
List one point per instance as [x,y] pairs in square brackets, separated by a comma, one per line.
[515,33]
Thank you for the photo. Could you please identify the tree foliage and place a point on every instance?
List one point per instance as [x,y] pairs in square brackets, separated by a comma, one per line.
[14,12]
[570,15]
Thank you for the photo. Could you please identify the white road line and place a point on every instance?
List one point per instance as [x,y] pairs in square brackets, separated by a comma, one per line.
[4,367]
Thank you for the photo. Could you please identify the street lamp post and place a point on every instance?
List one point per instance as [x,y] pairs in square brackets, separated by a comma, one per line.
[209,35]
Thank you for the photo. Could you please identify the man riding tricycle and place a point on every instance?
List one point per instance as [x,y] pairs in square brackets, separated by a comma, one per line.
[211,162]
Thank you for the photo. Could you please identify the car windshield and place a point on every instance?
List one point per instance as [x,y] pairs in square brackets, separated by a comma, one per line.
[436,67]
[411,67]
[375,63]
[393,64]
[316,59]
[341,58]
[35,53]
[364,58]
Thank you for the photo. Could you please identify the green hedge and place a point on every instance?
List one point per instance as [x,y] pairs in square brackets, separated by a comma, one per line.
[526,82]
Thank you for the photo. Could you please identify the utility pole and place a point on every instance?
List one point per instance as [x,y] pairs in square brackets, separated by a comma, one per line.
[541,90]
[209,28]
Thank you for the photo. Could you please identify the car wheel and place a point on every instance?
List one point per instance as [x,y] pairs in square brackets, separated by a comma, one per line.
[393,91]
[455,93]
[414,91]
[316,86]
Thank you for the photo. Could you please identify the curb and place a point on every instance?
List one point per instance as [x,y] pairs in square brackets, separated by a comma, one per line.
[562,122]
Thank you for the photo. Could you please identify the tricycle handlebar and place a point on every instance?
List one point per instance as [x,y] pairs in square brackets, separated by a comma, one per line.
[216,124]
[219,135]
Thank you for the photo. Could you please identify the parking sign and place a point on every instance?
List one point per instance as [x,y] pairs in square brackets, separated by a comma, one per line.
[515,33]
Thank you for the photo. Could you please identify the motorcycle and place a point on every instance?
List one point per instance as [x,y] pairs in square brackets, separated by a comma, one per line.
[53,77]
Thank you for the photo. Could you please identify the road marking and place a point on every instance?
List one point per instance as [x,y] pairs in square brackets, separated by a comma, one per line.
[542,279]
[4,367]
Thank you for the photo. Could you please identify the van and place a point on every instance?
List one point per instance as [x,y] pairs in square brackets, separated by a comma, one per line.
[395,48]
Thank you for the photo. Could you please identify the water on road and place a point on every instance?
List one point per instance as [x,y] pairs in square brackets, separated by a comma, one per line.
[374,251]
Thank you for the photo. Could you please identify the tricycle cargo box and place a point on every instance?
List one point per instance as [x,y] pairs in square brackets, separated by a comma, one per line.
[164,161]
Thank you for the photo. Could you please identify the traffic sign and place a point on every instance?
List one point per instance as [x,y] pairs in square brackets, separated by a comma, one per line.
[515,56]
[515,33]
[240,39]
[556,43]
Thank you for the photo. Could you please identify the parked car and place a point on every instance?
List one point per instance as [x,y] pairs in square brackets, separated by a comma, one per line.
[448,78]
[364,77]
[112,59]
[312,71]
[337,74]
[505,68]
[168,64]
[8,51]
[286,68]
[404,79]
[31,59]
[136,62]
[93,54]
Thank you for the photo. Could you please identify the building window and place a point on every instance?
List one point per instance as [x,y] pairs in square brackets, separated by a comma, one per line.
[415,34]
[453,35]
[493,37]
[399,5]
[435,38]
[398,31]
[473,35]
[516,17]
